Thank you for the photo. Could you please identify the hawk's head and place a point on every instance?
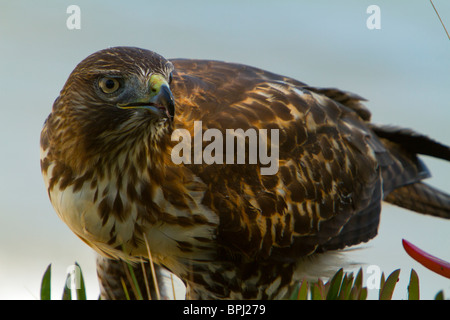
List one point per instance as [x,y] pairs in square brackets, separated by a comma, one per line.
[110,97]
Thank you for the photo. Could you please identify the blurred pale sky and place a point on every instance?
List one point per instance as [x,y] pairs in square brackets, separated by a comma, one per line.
[403,69]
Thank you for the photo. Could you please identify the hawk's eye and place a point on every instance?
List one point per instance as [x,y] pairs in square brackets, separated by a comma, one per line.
[109,85]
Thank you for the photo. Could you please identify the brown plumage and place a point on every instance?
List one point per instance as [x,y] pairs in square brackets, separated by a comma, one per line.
[227,230]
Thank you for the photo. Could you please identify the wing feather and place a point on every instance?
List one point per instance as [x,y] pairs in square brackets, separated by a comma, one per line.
[328,171]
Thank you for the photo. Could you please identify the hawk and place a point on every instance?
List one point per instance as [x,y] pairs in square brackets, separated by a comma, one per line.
[227,230]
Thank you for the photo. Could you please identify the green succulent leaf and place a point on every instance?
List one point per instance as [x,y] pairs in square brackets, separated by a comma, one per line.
[387,288]
[335,285]
[46,284]
[413,287]
[81,291]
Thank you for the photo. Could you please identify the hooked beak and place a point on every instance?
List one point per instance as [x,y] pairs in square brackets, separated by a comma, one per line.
[160,98]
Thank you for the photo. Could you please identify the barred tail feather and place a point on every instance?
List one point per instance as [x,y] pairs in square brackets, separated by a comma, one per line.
[421,198]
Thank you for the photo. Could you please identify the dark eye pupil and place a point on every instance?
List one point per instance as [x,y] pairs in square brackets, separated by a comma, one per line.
[109,84]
